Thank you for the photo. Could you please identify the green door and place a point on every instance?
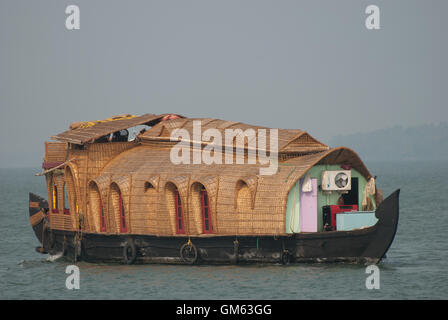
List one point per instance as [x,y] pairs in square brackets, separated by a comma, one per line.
[292,222]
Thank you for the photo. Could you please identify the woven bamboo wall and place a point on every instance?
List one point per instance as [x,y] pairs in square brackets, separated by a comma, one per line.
[144,214]
[86,165]
[96,157]
[149,214]
[75,174]
[55,151]
[148,220]
[223,210]
[60,220]
[241,201]
[101,153]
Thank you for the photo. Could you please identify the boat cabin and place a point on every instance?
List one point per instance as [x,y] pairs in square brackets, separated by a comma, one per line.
[103,179]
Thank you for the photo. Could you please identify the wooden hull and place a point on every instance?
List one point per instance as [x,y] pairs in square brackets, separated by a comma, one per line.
[358,246]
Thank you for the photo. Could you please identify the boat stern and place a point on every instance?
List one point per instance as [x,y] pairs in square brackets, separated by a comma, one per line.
[387,214]
[38,211]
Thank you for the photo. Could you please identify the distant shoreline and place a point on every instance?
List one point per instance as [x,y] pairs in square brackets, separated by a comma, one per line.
[418,143]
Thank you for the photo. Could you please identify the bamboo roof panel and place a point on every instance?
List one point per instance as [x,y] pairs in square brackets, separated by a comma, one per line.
[289,140]
[97,129]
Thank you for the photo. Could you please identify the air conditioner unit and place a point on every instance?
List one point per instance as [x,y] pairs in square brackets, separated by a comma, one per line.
[336,180]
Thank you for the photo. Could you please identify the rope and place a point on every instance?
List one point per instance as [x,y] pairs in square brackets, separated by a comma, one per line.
[52,169]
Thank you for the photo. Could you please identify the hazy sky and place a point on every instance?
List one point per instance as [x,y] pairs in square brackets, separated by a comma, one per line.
[311,65]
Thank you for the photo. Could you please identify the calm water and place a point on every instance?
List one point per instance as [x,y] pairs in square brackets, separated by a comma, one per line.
[416,266]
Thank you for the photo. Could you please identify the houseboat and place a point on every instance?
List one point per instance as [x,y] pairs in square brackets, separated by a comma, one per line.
[114,197]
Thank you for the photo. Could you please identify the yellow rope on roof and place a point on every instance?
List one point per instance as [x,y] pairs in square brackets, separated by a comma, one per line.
[87,124]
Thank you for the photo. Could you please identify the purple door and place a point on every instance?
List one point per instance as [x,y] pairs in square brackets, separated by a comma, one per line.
[308,208]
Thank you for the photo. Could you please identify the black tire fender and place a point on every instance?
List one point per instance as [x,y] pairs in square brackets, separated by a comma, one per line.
[129,252]
[286,258]
[189,253]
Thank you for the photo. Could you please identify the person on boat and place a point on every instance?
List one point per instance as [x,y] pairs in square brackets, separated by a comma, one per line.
[120,136]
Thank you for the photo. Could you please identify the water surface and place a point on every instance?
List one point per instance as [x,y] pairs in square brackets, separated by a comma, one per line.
[415,267]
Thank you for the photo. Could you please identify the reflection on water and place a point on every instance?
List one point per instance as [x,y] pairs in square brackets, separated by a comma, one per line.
[415,266]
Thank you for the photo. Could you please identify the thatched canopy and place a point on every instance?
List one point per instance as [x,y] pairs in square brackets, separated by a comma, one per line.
[84,132]
[289,140]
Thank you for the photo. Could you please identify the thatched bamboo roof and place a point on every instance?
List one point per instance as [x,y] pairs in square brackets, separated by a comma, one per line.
[84,132]
[289,140]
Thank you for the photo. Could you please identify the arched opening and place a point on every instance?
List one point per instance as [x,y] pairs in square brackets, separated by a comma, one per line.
[103,227]
[243,206]
[96,208]
[200,206]
[206,214]
[174,205]
[243,197]
[118,208]
[71,196]
[151,205]
[54,196]
[66,202]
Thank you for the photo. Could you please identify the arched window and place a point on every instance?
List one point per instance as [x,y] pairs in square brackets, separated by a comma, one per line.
[66,203]
[180,226]
[71,197]
[150,223]
[123,225]
[243,196]
[96,212]
[243,208]
[199,206]
[205,206]
[54,196]
[175,209]
[103,227]
[118,207]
